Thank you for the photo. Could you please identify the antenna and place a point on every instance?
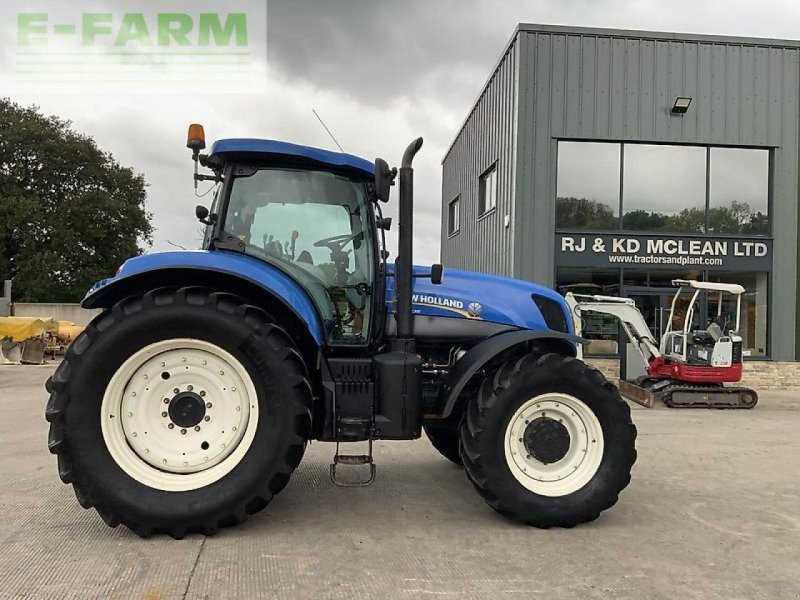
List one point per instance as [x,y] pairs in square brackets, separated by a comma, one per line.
[326,129]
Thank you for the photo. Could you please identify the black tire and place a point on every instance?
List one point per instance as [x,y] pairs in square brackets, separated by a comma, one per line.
[483,430]
[446,438]
[76,391]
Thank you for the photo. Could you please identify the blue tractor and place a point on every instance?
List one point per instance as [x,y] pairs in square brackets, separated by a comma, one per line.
[187,404]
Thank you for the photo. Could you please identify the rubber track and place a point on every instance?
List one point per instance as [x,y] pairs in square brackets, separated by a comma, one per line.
[666,397]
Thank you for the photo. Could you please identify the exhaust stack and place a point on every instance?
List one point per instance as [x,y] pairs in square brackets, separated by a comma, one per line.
[405,259]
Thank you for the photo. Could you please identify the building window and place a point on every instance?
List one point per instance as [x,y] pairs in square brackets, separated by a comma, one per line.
[653,293]
[487,191]
[453,215]
[602,331]
[753,319]
[587,195]
[739,191]
[664,188]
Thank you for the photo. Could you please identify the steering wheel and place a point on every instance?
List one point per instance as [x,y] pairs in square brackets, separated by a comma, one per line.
[336,242]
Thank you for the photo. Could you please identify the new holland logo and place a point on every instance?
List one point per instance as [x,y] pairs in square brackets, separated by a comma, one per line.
[472,311]
[436,301]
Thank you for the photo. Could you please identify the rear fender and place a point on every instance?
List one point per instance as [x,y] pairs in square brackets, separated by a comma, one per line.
[478,356]
[258,283]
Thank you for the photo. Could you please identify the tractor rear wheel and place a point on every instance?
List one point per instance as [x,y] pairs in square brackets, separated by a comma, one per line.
[548,441]
[178,411]
[446,438]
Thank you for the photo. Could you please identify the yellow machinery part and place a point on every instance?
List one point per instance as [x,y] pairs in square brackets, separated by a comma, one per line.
[19,329]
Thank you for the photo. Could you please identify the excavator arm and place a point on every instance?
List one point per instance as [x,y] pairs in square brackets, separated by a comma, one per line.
[626,312]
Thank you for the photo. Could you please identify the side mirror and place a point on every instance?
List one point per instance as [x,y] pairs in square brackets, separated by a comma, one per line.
[201,212]
[384,179]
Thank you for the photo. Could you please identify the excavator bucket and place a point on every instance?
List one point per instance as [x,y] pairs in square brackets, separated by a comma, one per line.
[637,394]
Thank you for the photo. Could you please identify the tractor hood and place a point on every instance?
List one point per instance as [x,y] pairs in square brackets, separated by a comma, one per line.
[491,298]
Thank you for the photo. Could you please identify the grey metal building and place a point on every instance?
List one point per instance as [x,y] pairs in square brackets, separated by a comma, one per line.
[613,161]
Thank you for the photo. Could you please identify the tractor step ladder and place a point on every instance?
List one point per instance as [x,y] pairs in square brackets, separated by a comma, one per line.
[353,460]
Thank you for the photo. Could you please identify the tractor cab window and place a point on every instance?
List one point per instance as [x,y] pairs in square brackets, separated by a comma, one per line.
[314,226]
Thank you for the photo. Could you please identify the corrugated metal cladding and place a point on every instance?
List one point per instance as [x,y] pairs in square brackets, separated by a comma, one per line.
[487,137]
[610,85]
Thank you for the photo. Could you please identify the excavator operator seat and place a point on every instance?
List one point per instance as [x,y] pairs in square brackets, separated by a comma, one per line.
[715,331]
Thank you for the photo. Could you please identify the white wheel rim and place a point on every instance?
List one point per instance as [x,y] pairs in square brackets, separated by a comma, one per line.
[582,459]
[179,458]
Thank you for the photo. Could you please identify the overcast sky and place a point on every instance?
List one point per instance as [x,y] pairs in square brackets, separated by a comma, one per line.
[380,73]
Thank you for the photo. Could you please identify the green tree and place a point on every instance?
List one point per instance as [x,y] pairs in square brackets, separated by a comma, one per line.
[69,213]
[582,213]
[757,224]
[642,220]
[689,220]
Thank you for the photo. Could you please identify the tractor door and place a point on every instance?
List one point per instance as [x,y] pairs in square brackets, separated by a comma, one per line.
[316,227]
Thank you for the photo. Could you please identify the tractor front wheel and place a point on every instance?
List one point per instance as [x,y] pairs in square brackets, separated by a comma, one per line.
[178,411]
[548,441]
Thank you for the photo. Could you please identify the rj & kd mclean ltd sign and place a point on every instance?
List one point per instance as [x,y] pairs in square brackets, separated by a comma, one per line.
[662,251]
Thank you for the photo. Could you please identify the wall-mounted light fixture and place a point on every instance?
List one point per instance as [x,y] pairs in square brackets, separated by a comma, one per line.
[681,105]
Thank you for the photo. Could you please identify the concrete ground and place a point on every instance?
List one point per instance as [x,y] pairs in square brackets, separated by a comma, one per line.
[713,511]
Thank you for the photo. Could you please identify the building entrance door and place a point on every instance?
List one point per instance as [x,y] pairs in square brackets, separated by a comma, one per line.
[655,304]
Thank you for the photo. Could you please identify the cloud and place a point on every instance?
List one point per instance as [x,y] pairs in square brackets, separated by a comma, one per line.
[379,73]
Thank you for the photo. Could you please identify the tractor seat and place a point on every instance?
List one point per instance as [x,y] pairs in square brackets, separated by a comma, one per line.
[715,331]
[305,257]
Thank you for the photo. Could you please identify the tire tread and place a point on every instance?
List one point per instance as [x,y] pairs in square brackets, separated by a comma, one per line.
[261,323]
[484,407]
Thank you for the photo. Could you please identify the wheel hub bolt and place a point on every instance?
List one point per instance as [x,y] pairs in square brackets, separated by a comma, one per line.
[202,392]
[166,400]
[183,432]
[164,414]
[176,390]
[197,427]
[206,418]
[171,425]
[190,387]
[208,404]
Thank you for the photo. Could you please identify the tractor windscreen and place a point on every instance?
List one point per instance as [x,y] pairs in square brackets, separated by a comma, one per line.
[314,225]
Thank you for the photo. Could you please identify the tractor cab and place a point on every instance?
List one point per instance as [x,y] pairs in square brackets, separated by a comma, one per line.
[308,213]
